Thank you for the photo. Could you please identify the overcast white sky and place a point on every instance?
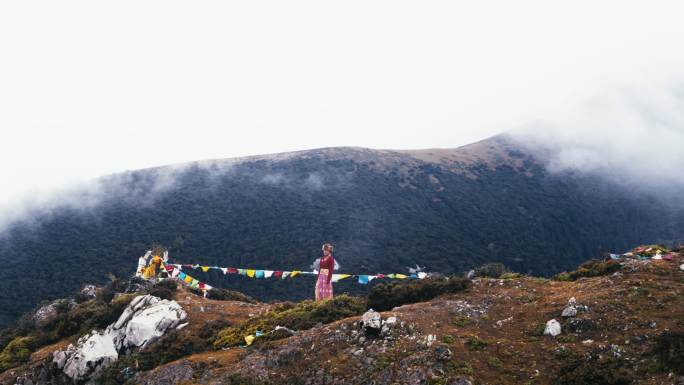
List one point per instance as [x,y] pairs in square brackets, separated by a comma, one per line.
[89,87]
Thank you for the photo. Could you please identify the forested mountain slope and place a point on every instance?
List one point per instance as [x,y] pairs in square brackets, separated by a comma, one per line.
[383,210]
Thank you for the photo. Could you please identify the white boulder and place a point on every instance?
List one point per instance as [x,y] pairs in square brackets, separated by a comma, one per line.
[92,353]
[371,320]
[144,319]
[553,328]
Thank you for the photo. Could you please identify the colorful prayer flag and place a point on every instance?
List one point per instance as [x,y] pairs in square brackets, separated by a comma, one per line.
[337,277]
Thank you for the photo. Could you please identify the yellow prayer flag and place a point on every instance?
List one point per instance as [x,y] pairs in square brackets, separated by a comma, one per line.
[295,273]
[400,276]
[188,279]
[205,268]
[249,339]
[250,273]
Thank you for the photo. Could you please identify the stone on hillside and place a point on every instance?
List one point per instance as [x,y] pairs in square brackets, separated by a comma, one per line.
[553,328]
[460,381]
[371,322]
[89,291]
[443,353]
[387,325]
[48,312]
[144,319]
[570,311]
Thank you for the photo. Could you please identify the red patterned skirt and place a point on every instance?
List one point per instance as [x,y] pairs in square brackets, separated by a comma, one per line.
[323,287]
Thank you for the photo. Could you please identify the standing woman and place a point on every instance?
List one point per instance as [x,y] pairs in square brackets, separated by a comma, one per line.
[324,282]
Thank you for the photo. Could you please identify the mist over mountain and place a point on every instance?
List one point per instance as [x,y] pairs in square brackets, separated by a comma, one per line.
[447,209]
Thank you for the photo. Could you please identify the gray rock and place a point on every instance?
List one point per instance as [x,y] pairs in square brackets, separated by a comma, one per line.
[443,353]
[570,311]
[89,291]
[48,312]
[144,319]
[371,322]
[461,381]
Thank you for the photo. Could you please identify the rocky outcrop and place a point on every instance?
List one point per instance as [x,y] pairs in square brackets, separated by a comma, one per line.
[48,312]
[144,319]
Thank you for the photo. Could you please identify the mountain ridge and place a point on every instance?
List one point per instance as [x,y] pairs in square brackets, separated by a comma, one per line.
[382,209]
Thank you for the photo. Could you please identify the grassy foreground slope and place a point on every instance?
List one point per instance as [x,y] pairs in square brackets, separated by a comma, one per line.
[627,329]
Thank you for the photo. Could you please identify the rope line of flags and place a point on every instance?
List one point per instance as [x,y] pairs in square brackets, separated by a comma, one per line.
[175,270]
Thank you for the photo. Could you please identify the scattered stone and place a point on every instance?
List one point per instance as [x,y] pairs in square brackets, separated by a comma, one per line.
[49,312]
[460,381]
[500,323]
[89,291]
[442,353]
[430,339]
[570,311]
[553,328]
[371,322]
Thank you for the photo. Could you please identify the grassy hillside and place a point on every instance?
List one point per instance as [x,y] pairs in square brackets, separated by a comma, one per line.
[621,324]
[383,210]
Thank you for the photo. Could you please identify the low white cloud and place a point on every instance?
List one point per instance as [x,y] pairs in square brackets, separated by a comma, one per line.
[629,134]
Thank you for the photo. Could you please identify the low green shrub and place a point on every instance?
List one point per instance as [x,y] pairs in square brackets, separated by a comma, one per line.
[17,352]
[387,296]
[462,321]
[219,294]
[595,370]
[300,316]
[474,343]
[491,270]
[510,275]
[165,289]
[669,349]
[593,268]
